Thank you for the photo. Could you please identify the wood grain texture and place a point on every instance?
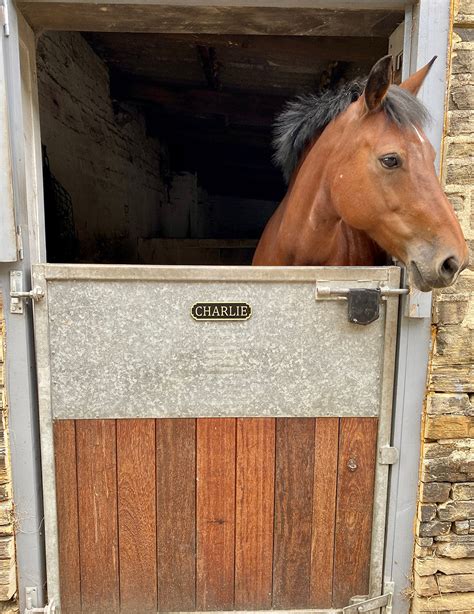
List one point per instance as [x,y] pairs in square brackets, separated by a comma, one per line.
[254,513]
[176,506]
[137,515]
[324,511]
[68,518]
[98,530]
[87,16]
[355,494]
[293,512]
[215,513]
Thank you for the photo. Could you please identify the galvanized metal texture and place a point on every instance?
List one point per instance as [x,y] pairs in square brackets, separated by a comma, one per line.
[294,357]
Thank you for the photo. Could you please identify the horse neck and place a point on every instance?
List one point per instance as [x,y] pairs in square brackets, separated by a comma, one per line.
[312,231]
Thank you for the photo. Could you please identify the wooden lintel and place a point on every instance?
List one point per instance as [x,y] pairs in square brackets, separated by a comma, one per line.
[89,16]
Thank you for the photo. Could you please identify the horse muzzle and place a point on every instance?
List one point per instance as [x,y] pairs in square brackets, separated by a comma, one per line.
[433,273]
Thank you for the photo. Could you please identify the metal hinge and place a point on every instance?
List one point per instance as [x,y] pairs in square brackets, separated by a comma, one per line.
[363,604]
[363,304]
[18,295]
[388,455]
[31,603]
[4,17]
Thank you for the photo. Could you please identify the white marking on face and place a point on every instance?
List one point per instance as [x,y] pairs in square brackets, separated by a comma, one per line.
[419,135]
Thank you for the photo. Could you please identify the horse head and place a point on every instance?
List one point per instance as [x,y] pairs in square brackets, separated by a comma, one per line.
[382,179]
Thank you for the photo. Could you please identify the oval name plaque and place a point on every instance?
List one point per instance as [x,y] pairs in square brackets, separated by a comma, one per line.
[221,311]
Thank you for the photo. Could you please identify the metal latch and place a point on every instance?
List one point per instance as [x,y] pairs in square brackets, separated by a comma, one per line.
[4,17]
[18,295]
[31,603]
[362,604]
[363,304]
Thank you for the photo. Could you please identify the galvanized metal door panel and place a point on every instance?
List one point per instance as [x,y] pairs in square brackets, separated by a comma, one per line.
[126,338]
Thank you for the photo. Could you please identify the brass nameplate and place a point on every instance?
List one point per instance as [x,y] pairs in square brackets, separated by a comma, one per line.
[221,311]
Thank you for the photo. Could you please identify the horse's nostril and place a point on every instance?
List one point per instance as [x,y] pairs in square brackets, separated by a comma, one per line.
[450,267]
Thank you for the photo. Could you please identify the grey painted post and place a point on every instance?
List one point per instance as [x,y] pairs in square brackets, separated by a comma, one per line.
[21,382]
[427,34]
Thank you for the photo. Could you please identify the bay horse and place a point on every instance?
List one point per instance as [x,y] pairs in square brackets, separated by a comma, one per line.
[362,184]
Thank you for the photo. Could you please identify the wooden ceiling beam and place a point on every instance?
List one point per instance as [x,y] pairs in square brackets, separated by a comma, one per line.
[247,110]
[90,16]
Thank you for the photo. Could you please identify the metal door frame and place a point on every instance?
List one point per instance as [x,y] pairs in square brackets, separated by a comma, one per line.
[426,34]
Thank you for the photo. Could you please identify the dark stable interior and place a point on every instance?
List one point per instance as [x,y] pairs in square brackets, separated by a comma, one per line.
[207,102]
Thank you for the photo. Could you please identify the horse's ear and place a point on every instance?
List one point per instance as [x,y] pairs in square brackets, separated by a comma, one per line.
[415,81]
[378,82]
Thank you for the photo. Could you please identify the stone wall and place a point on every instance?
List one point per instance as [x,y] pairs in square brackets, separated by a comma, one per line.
[7,543]
[98,152]
[443,579]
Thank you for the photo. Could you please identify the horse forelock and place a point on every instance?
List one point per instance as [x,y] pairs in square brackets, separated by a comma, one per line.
[308,115]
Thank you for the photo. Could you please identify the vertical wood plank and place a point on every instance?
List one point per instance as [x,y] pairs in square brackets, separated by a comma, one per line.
[68,518]
[215,513]
[254,513]
[98,531]
[293,512]
[137,515]
[355,495]
[176,513]
[324,511]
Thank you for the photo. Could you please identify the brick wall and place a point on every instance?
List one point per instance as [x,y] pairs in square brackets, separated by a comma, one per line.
[443,579]
[100,154]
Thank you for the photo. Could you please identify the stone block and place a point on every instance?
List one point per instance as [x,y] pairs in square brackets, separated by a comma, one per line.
[450,311]
[423,551]
[456,583]
[454,539]
[433,528]
[461,94]
[459,171]
[446,403]
[456,510]
[461,527]
[464,12]
[460,122]
[456,550]
[471,527]
[425,586]
[449,427]
[426,511]
[463,60]
[463,492]
[428,566]
[434,492]
[458,197]
[6,513]
[455,466]
[425,542]
[460,146]
[451,603]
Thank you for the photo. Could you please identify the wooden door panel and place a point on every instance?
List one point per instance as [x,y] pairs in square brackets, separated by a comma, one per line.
[213,513]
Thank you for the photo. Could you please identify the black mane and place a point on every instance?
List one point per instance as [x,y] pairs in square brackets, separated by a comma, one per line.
[307,116]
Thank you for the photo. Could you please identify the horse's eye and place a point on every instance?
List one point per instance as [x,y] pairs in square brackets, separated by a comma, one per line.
[391,161]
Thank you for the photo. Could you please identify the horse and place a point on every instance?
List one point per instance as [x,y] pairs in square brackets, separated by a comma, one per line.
[362,184]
